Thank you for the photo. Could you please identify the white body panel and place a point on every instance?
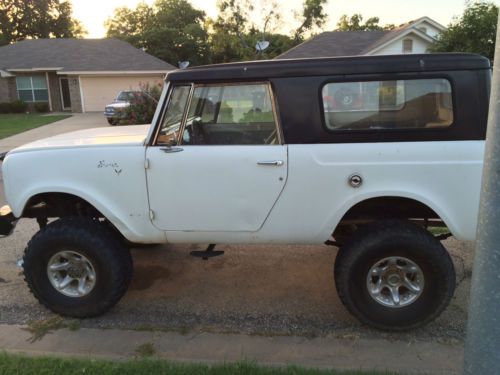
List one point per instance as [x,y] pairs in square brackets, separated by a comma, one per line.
[215,188]
[445,176]
[107,169]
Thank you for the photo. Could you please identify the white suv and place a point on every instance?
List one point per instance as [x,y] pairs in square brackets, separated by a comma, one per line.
[365,153]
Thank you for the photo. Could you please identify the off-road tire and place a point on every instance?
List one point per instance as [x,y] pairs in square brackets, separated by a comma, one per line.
[394,238]
[109,256]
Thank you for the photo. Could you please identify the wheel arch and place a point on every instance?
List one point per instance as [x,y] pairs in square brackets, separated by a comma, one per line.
[394,206]
[61,203]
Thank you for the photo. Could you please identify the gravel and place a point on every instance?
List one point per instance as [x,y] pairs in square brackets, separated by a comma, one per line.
[261,290]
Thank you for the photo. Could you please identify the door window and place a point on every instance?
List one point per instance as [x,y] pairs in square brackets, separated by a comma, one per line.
[174,114]
[231,115]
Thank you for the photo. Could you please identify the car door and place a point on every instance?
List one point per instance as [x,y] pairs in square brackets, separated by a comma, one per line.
[217,163]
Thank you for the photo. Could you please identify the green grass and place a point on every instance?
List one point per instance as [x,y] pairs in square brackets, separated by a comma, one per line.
[18,123]
[18,364]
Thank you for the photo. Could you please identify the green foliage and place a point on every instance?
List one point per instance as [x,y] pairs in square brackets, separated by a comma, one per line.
[143,106]
[474,31]
[355,23]
[174,31]
[5,108]
[313,16]
[18,364]
[42,107]
[171,30]
[20,20]
[18,106]
[234,34]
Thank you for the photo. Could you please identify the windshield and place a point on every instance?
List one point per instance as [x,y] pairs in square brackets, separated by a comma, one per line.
[125,96]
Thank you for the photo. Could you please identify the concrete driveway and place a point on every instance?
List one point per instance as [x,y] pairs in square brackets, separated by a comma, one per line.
[78,121]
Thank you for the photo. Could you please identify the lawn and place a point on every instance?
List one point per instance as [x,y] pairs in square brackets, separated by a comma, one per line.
[18,123]
[17,364]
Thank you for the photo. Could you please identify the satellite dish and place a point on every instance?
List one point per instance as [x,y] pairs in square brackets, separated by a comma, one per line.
[183,64]
[262,45]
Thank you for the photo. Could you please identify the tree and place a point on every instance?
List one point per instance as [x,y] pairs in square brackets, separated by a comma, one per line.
[171,30]
[313,15]
[474,31]
[21,19]
[354,23]
[234,33]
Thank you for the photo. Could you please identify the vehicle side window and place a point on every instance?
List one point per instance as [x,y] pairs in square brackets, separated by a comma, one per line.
[174,114]
[401,104]
[231,115]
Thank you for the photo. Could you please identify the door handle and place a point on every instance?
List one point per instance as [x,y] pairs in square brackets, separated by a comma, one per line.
[171,149]
[277,163]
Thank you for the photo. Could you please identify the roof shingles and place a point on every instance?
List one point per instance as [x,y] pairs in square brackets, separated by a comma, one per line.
[79,55]
[335,43]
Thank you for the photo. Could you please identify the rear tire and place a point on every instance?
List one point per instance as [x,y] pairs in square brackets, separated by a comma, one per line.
[394,255]
[77,250]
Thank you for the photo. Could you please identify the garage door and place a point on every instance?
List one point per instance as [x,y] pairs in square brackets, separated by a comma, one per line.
[99,91]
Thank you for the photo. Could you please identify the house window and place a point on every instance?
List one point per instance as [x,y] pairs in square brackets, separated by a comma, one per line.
[407,46]
[32,89]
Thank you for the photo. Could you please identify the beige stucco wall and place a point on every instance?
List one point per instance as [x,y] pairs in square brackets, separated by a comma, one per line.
[100,90]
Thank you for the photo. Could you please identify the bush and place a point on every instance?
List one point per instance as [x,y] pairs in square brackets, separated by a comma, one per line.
[142,108]
[5,108]
[41,107]
[18,106]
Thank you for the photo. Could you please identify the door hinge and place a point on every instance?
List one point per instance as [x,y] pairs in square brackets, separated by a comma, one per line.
[151,214]
[146,163]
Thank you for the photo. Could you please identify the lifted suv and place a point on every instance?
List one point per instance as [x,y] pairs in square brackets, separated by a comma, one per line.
[363,153]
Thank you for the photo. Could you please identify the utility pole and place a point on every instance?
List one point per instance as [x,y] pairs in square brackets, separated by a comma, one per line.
[482,344]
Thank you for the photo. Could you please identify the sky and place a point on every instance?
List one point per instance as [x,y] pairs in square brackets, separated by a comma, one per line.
[93,13]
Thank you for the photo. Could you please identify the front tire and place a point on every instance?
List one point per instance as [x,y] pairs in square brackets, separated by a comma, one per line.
[77,267]
[394,275]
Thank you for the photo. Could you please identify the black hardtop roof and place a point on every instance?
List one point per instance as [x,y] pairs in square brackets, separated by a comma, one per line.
[264,69]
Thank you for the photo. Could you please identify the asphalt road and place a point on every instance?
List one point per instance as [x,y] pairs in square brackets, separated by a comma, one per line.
[265,290]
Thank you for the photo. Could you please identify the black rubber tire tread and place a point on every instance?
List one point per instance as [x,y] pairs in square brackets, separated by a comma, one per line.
[111,259]
[381,239]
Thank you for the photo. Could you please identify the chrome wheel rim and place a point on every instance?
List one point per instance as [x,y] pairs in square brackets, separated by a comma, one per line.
[71,274]
[395,282]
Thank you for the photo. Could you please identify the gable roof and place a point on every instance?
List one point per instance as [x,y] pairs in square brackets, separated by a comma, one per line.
[77,55]
[353,43]
[334,43]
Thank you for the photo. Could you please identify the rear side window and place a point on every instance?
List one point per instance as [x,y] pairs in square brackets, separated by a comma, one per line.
[399,104]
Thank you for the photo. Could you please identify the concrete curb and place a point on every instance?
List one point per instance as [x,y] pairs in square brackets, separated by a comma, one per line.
[323,352]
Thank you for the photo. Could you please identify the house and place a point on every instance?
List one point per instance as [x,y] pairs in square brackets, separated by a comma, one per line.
[412,37]
[78,75]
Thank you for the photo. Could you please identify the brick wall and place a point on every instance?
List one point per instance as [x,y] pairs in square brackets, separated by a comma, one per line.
[7,89]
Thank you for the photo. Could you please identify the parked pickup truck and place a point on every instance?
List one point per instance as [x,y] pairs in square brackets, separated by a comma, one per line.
[369,154]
